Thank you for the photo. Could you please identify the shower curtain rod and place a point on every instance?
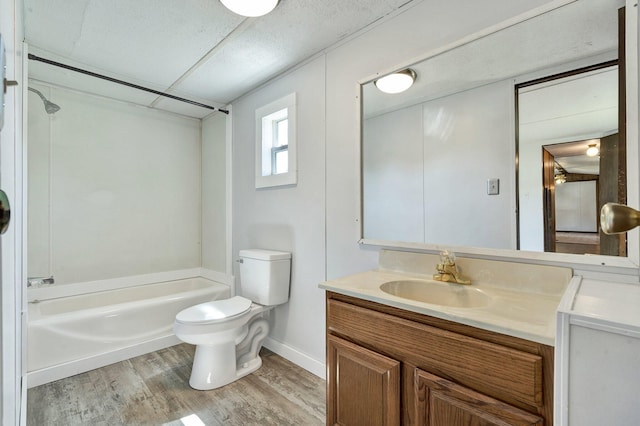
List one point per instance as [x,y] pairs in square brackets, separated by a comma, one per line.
[124,83]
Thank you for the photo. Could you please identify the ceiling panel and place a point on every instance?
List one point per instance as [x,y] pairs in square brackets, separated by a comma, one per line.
[295,31]
[585,105]
[192,47]
[145,39]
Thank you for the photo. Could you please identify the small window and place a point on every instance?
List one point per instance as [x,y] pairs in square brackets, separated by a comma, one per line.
[275,143]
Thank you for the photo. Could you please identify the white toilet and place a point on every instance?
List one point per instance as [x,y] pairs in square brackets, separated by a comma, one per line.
[228,333]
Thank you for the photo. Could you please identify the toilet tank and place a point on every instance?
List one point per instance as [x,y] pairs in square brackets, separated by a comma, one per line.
[265,276]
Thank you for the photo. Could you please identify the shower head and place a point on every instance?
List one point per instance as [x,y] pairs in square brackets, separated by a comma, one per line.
[49,106]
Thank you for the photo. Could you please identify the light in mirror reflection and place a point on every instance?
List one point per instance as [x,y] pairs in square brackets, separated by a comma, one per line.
[396,82]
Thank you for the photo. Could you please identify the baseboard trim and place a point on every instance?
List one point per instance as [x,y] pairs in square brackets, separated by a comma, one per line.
[301,359]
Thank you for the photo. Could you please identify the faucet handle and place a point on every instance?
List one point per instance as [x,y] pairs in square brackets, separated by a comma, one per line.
[39,281]
[448,270]
[447,257]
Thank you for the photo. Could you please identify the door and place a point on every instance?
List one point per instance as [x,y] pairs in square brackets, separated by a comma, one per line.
[612,188]
[363,387]
[441,402]
[549,200]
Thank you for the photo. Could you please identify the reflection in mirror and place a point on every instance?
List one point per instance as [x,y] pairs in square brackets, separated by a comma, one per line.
[568,128]
[430,153]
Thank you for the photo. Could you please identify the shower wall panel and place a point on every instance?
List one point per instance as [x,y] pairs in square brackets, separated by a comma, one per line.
[114,189]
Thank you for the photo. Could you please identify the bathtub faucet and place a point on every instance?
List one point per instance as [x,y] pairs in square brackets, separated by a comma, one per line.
[40,281]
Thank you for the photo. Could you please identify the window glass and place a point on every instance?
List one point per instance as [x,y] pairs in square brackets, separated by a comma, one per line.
[281,162]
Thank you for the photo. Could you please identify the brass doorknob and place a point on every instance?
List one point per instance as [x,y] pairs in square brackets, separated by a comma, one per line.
[617,218]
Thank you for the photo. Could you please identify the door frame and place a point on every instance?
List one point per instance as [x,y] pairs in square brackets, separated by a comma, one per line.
[12,167]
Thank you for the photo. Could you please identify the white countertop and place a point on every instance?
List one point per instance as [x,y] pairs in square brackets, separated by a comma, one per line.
[615,303]
[527,315]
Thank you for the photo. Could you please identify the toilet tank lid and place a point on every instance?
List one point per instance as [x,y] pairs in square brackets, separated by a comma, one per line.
[264,254]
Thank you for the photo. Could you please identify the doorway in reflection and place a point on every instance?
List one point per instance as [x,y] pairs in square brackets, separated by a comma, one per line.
[571,123]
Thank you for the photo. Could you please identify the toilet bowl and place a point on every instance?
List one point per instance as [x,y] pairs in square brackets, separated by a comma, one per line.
[229,333]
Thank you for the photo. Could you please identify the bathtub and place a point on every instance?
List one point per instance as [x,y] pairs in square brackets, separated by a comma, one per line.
[74,334]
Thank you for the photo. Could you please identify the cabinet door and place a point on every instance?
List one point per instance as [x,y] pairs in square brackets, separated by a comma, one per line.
[363,387]
[440,402]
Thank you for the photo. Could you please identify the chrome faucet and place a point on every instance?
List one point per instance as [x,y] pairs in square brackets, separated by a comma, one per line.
[448,270]
[40,281]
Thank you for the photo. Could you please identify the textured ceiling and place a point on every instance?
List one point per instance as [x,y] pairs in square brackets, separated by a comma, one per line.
[582,31]
[192,48]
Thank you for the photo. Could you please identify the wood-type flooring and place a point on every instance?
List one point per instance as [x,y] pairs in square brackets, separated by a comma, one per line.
[153,389]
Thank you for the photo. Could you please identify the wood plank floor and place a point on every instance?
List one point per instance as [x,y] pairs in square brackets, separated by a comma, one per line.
[153,389]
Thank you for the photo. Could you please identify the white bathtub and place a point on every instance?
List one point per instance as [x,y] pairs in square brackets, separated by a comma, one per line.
[74,334]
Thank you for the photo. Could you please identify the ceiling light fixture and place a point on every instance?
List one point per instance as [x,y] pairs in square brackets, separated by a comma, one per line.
[250,8]
[397,82]
[593,150]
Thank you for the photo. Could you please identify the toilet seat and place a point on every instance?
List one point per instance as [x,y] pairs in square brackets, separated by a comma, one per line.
[214,312]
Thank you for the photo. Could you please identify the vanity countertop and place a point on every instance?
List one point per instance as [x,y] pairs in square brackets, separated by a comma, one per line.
[607,302]
[517,312]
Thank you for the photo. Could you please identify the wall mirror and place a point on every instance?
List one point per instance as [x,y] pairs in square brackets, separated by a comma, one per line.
[444,164]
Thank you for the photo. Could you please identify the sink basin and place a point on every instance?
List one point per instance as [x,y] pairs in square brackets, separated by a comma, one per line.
[437,293]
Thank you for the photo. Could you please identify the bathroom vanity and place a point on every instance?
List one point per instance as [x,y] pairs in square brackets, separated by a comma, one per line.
[389,366]
[403,349]
[397,360]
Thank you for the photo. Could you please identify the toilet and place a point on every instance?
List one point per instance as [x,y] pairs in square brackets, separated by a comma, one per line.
[229,333]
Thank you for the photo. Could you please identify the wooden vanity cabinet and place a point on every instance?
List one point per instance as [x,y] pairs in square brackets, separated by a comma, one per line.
[388,366]
[441,402]
[366,387]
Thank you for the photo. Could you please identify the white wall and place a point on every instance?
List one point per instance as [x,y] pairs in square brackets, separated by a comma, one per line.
[447,152]
[117,189]
[319,219]
[214,180]
[393,181]
[39,191]
[577,206]
[468,140]
[288,218]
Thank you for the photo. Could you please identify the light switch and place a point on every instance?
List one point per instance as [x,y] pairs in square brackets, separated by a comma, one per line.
[493,186]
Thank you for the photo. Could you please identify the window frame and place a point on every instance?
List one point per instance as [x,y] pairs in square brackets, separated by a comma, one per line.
[266,152]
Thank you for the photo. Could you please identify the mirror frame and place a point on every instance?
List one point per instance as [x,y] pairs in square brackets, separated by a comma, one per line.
[623,265]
